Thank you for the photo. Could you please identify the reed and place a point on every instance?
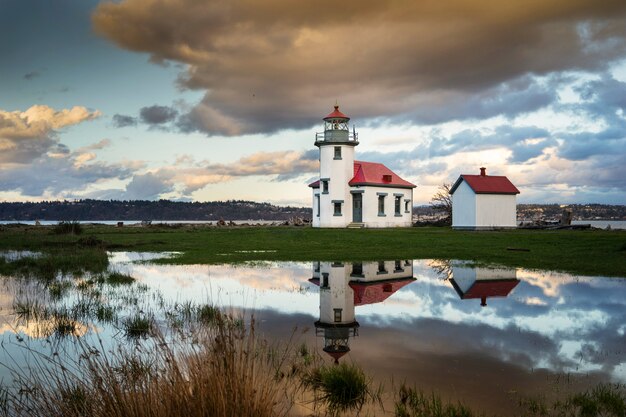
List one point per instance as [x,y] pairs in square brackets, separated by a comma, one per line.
[226,372]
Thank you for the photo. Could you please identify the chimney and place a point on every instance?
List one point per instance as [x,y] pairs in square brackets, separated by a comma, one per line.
[483,171]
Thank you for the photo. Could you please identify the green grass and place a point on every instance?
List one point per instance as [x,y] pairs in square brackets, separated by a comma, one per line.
[341,388]
[584,252]
[117,278]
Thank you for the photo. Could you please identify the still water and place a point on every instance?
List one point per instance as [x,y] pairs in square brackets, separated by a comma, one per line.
[484,336]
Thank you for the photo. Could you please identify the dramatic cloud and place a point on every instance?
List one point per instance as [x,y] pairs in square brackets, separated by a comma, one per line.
[156,115]
[121,120]
[25,136]
[275,64]
[187,176]
[61,174]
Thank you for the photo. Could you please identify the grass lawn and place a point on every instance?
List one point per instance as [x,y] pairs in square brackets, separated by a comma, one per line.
[585,252]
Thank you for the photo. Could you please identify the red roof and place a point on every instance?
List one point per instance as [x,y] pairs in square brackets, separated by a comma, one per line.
[377,292]
[486,184]
[336,114]
[372,292]
[372,173]
[315,184]
[487,288]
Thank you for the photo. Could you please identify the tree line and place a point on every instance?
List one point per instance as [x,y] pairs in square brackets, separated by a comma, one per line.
[148,210]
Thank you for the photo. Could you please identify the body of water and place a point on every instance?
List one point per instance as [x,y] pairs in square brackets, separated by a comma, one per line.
[483,336]
[138,222]
[603,224]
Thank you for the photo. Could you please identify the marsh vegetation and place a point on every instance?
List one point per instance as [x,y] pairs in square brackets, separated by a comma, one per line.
[102,339]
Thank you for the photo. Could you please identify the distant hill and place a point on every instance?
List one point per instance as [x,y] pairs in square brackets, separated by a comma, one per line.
[149,210]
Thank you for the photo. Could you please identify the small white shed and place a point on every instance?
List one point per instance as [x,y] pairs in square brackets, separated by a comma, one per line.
[483,202]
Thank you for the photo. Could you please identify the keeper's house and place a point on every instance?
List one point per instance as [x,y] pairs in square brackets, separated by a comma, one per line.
[353,193]
[483,202]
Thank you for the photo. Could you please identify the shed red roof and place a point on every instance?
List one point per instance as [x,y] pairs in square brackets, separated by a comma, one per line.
[373,173]
[484,289]
[336,114]
[486,184]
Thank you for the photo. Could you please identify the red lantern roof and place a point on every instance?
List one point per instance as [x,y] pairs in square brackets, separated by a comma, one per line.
[336,114]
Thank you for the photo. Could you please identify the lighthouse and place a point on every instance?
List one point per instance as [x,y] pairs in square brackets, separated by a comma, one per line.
[336,145]
[344,286]
[337,323]
[353,193]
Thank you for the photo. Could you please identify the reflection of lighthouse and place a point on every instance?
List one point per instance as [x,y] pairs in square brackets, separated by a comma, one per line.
[344,286]
[482,283]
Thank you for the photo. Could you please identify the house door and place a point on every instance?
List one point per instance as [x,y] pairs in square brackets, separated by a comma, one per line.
[357,208]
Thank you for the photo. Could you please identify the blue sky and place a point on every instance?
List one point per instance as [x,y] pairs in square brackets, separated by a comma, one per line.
[215,100]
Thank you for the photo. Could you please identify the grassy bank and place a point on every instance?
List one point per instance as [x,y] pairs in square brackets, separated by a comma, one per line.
[585,252]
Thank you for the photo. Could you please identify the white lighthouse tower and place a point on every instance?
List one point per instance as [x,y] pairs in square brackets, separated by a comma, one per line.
[333,203]
[337,323]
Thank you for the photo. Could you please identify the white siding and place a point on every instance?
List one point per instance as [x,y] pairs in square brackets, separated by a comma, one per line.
[340,171]
[495,210]
[471,210]
[338,295]
[370,207]
[464,206]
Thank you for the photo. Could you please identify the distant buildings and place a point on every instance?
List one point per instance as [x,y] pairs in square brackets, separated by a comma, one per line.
[353,193]
[483,202]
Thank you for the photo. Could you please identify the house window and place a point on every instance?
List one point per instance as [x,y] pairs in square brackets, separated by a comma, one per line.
[398,205]
[381,267]
[337,315]
[381,204]
[316,267]
[398,267]
[324,186]
[324,280]
[337,207]
[317,204]
[337,152]
[357,268]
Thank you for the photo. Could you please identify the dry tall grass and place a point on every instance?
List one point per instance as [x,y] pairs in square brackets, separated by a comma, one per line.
[225,371]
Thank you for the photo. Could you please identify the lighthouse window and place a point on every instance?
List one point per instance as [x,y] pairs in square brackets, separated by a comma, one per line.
[337,315]
[337,152]
[324,280]
[324,186]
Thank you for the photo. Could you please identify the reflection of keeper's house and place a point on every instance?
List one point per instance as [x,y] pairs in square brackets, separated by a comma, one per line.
[344,286]
[482,283]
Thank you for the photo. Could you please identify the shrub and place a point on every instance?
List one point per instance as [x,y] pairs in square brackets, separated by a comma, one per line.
[341,388]
[68,228]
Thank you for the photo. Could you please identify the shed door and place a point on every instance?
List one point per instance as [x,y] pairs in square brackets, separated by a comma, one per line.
[357,208]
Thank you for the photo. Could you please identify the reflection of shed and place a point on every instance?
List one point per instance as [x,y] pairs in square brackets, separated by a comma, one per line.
[483,283]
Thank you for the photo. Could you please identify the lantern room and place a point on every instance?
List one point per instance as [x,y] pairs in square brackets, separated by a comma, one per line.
[336,130]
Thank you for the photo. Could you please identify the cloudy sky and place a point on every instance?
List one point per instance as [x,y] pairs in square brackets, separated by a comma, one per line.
[220,99]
